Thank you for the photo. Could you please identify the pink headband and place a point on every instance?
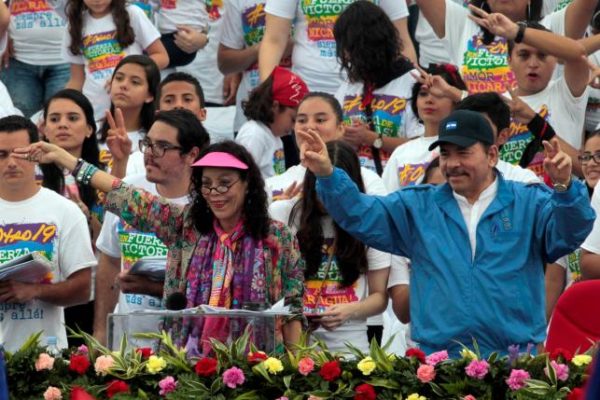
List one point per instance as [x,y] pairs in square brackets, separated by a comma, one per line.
[221,160]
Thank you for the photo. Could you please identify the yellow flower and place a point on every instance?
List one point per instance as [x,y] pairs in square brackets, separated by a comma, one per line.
[468,354]
[155,364]
[391,357]
[581,360]
[273,365]
[415,396]
[366,365]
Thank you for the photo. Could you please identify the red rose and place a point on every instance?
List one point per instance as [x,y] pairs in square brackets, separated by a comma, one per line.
[416,353]
[116,386]
[330,371]
[206,367]
[576,394]
[560,352]
[257,357]
[79,363]
[146,352]
[78,393]
[365,392]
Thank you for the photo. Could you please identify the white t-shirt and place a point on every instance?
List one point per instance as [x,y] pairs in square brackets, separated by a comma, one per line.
[276,185]
[592,111]
[392,114]
[101,52]
[204,67]
[561,109]
[117,239]
[512,172]
[331,292]
[244,26]
[484,68]
[572,265]
[592,242]
[135,163]
[313,57]
[266,148]
[36,29]
[181,12]
[56,227]
[407,164]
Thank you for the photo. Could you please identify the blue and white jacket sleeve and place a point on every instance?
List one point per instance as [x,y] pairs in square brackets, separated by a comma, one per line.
[567,219]
[378,221]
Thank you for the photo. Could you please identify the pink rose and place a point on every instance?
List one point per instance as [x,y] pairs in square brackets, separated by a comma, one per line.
[44,361]
[517,378]
[469,397]
[167,385]
[306,365]
[437,357]
[52,393]
[233,377]
[426,373]
[561,370]
[103,364]
[477,369]
[82,349]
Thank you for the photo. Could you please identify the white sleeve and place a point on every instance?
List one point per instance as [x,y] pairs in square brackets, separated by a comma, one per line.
[394,9]
[66,52]
[563,261]
[373,183]
[340,93]
[256,144]
[457,18]
[145,32]
[281,210]
[390,173]
[108,239]
[75,248]
[232,34]
[399,273]
[572,108]
[378,259]
[555,21]
[592,242]
[282,8]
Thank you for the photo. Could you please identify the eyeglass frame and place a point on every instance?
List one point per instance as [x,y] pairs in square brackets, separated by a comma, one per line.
[216,188]
[586,158]
[163,146]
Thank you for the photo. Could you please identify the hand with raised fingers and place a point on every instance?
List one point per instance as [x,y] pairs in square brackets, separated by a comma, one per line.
[519,110]
[117,140]
[313,152]
[496,23]
[557,164]
[292,191]
[46,153]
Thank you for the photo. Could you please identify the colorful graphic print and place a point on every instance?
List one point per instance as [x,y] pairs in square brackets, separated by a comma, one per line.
[519,138]
[19,239]
[411,174]
[279,162]
[103,52]
[28,14]
[213,7]
[485,67]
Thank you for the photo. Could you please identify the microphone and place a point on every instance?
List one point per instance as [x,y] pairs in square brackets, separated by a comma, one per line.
[176,301]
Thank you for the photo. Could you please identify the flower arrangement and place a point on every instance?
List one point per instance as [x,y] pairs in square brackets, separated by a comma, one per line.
[239,371]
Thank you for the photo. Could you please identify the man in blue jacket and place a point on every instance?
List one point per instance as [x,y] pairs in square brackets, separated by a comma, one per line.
[477,244]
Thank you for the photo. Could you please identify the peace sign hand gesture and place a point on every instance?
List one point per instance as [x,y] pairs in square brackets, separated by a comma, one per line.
[498,24]
[118,141]
[557,163]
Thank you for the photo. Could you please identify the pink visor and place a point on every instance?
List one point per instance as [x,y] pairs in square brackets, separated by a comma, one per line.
[220,159]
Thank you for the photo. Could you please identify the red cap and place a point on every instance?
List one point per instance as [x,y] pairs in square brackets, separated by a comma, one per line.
[288,88]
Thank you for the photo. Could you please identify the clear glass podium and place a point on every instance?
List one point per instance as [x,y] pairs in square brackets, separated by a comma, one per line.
[191,323]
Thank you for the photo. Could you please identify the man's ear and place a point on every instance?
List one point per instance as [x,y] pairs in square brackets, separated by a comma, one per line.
[503,136]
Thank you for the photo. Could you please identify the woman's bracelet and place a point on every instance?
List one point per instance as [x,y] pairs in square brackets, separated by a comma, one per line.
[84,171]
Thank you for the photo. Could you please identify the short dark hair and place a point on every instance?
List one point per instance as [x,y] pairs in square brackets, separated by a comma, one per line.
[190,132]
[491,104]
[530,25]
[14,123]
[331,100]
[181,77]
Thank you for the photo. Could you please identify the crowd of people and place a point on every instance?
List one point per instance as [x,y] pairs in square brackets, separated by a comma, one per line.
[430,160]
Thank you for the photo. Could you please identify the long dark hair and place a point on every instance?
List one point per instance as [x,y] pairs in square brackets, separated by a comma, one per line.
[54,178]
[533,13]
[124,32]
[307,213]
[259,106]
[255,210]
[448,72]
[153,79]
[368,45]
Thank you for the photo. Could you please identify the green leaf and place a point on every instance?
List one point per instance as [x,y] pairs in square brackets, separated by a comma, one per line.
[384,382]
[287,381]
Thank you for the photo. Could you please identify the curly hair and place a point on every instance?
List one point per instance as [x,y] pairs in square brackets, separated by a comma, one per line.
[124,34]
[368,45]
[532,13]
[255,212]
[448,72]
[153,80]
[308,213]
[54,178]
[259,106]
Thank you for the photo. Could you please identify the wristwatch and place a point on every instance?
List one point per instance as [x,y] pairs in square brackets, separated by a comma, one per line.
[378,143]
[562,187]
[521,32]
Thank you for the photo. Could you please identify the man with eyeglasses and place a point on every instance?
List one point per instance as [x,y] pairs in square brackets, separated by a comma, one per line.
[169,149]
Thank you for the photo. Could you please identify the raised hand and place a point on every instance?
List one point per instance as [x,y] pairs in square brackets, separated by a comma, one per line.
[118,141]
[557,163]
[292,191]
[436,85]
[46,153]
[498,24]
[519,110]
[313,152]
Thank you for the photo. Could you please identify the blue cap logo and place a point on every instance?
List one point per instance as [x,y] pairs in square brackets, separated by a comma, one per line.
[451,125]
